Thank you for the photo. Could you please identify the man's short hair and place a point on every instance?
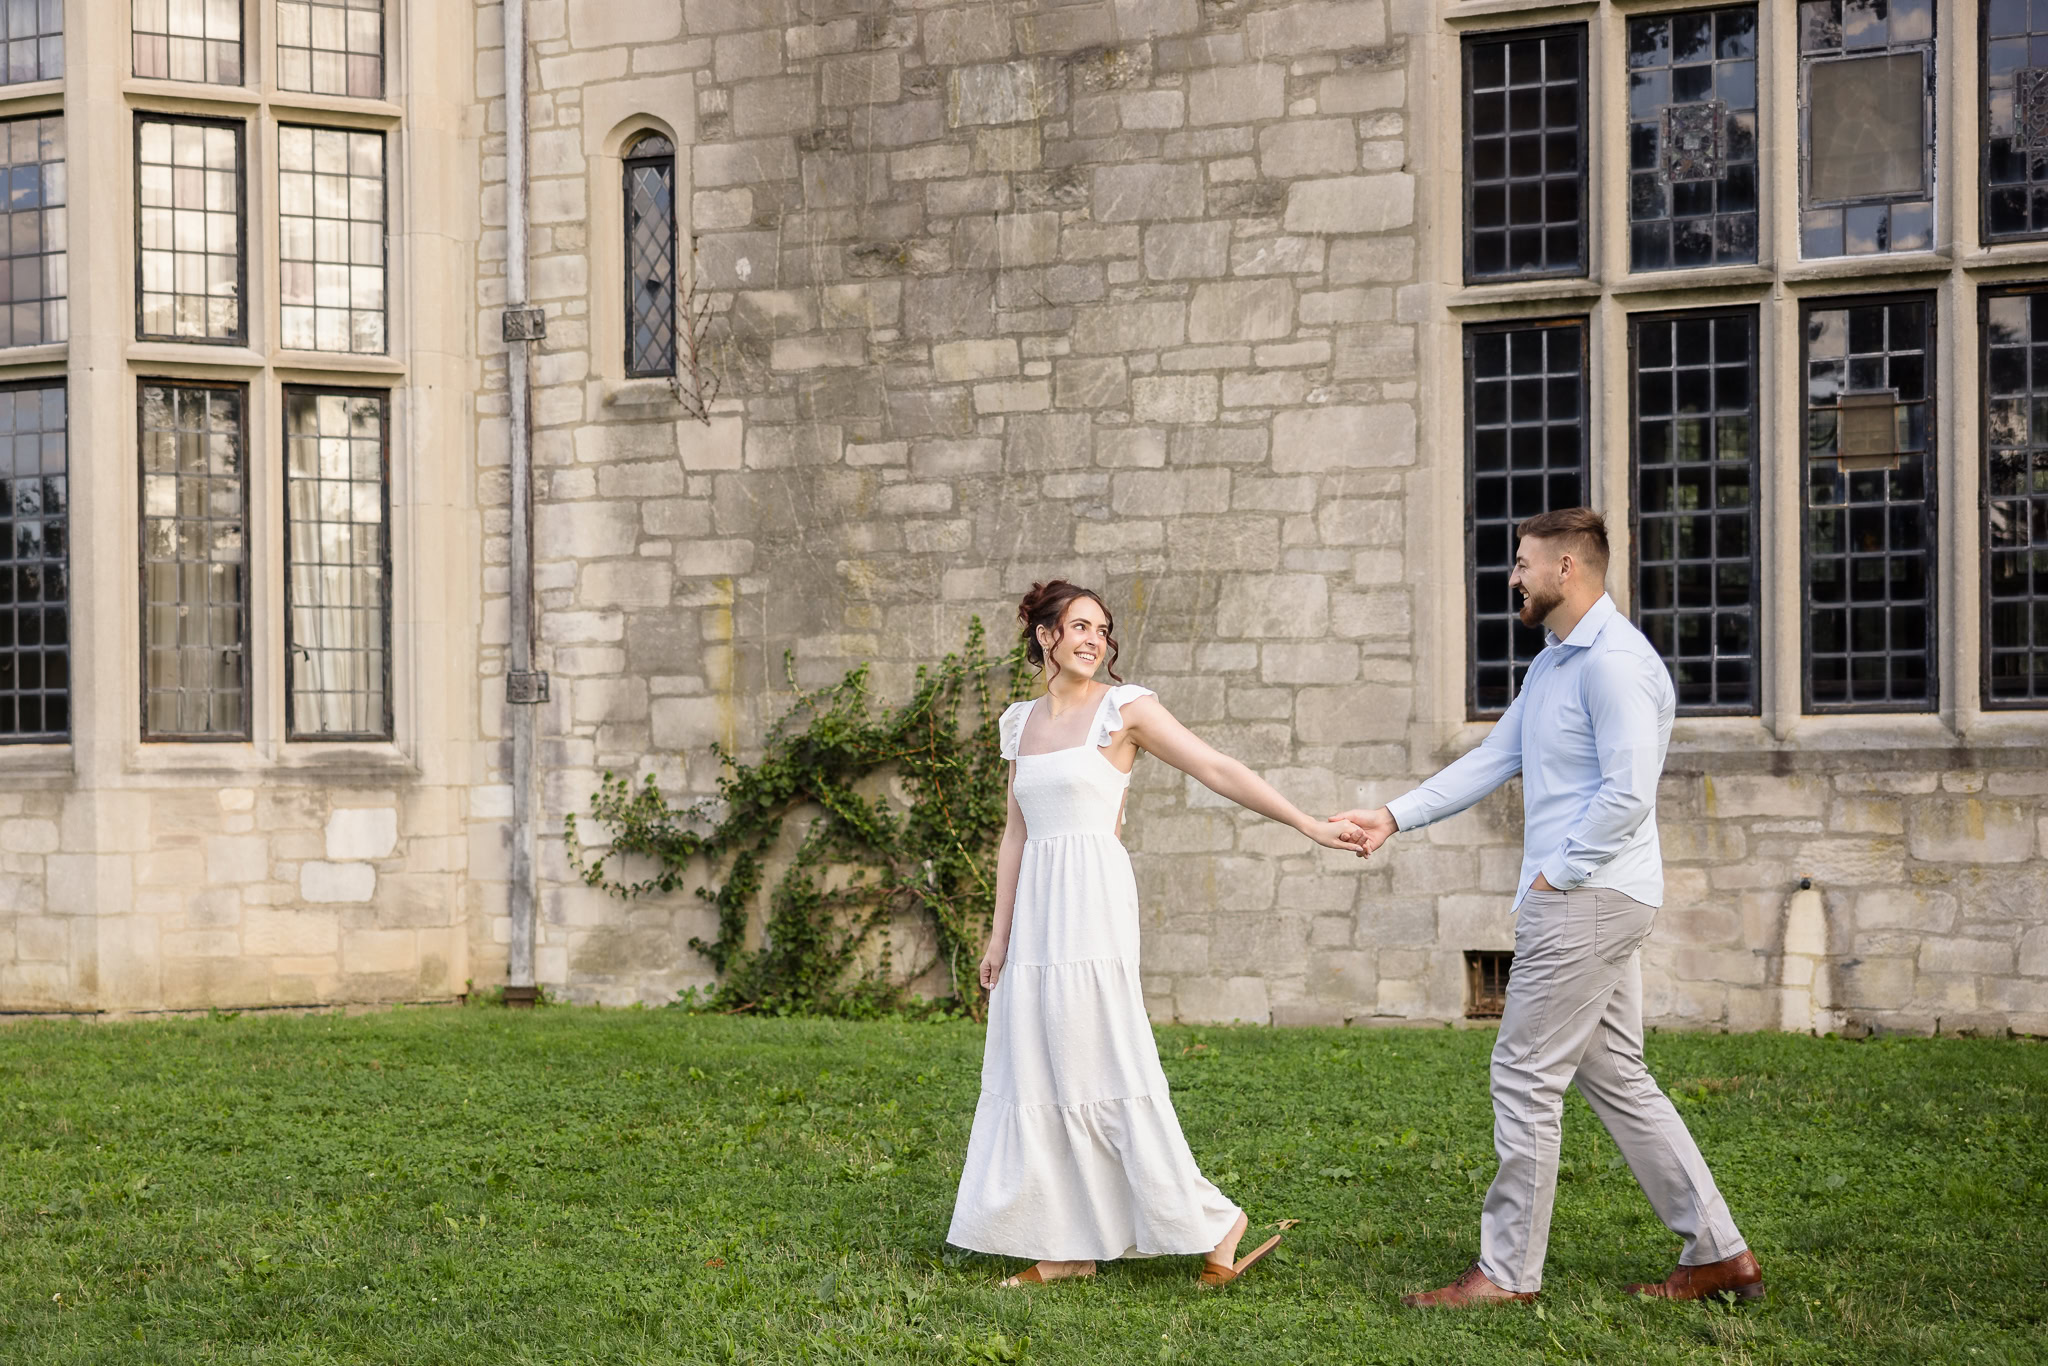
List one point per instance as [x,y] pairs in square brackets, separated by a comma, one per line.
[1582,531]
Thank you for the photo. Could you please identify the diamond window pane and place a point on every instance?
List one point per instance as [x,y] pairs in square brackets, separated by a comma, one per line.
[1867,151]
[1694,441]
[1870,520]
[1692,139]
[2015,526]
[337,565]
[1525,441]
[188,205]
[31,41]
[331,281]
[1525,154]
[650,177]
[34,267]
[195,592]
[188,40]
[35,607]
[331,47]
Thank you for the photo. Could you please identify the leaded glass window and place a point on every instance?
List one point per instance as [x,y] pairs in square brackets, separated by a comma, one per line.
[1692,139]
[1866,126]
[188,40]
[2016,500]
[2015,119]
[1871,591]
[33,31]
[35,594]
[330,192]
[1525,154]
[337,551]
[195,586]
[34,275]
[650,173]
[1694,406]
[188,176]
[331,47]
[1525,406]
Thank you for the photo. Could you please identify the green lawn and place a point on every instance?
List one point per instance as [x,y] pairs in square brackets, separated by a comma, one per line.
[647,1186]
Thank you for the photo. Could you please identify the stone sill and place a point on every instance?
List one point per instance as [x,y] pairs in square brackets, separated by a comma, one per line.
[2001,740]
[188,356]
[29,97]
[1477,11]
[1933,263]
[2011,255]
[320,365]
[650,394]
[21,763]
[241,759]
[1705,277]
[45,354]
[192,96]
[288,105]
[1583,290]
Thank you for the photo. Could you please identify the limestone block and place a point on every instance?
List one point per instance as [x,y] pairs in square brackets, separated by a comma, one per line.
[948,306]
[1874,983]
[741,56]
[2033,958]
[1308,147]
[1208,445]
[1973,830]
[1476,922]
[1152,109]
[237,858]
[607,700]
[1246,884]
[1309,662]
[1182,251]
[862,78]
[1122,328]
[1174,398]
[1352,715]
[626,583]
[757,161]
[1867,815]
[692,723]
[270,932]
[586,530]
[1363,259]
[28,836]
[983,358]
[1002,92]
[1849,862]
[962,36]
[366,832]
[1013,396]
[1050,441]
[324,882]
[1276,256]
[1147,190]
[364,952]
[1385,614]
[785,447]
[1222,1000]
[1241,310]
[1100,383]
[1176,953]
[1266,606]
[1343,436]
[1749,794]
[1237,94]
[1966,955]
[955,459]
[1196,833]
[1736,967]
[1307,893]
[1174,493]
[1361,91]
[1317,26]
[1351,204]
[1224,544]
[1120,537]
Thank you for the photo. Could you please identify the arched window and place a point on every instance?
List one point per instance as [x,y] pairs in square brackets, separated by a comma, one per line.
[650,188]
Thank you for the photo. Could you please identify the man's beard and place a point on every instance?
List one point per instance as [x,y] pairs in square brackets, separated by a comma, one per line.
[1538,604]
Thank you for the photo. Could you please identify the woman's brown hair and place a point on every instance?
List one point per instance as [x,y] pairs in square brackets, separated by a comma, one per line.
[1046,605]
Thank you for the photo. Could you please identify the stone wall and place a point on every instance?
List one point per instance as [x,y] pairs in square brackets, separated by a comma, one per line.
[1128,291]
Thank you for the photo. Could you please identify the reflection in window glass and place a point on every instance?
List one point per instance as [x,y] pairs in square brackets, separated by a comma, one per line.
[331,47]
[331,239]
[34,275]
[337,622]
[189,199]
[1525,405]
[1525,178]
[35,610]
[33,34]
[189,40]
[1695,438]
[1869,508]
[195,591]
[1692,139]
[1867,82]
[2016,119]
[650,172]
[2015,501]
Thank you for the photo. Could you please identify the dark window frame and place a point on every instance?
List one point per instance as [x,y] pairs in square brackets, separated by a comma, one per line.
[1467,43]
[1985,237]
[1931,499]
[142,573]
[1756,164]
[1930,127]
[1984,498]
[628,163]
[241,131]
[292,732]
[1584,323]
[70,690]
[1756,595]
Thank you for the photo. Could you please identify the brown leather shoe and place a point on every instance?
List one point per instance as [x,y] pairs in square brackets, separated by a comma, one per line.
[1469,1290]
[1738,1276]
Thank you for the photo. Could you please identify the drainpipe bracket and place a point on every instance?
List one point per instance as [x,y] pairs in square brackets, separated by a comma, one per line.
[525,324]
[526,688]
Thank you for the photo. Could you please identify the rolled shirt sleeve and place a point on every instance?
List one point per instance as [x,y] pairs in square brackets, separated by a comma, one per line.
[1459,785]
[1624,702]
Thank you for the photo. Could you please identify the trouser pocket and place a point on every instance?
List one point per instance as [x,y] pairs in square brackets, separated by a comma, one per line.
[1620,922]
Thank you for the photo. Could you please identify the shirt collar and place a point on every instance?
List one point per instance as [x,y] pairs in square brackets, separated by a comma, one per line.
[1589,627]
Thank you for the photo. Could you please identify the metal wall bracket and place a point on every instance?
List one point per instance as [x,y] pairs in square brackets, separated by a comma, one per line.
[2030,109]
[525,324]
[526,689]
[1695,141]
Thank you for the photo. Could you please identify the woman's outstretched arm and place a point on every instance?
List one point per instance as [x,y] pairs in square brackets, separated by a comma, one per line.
[1156,732]
[1009,857]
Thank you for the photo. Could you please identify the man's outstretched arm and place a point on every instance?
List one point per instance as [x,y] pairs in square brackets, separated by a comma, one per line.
[1456,787]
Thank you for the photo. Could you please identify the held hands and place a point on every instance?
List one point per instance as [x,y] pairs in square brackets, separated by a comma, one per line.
[1337,834]
[1369,829]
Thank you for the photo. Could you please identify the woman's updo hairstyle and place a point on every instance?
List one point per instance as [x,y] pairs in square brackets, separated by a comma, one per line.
[1046,605]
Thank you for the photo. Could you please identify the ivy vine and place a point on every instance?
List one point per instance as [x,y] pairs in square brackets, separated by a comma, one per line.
[935,856]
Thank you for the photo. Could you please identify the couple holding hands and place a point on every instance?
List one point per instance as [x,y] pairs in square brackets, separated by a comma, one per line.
[1076,1155]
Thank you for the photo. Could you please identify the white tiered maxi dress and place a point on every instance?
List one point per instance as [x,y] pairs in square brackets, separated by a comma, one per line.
[1076,1153]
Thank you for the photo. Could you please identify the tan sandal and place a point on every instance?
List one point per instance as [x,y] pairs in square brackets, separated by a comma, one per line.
[1030,1276]
[1216,1273]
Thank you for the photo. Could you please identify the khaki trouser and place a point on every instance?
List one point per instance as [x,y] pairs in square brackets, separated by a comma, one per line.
[1574,1014]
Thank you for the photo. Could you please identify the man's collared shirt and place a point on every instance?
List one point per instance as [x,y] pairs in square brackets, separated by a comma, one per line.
[1587,733]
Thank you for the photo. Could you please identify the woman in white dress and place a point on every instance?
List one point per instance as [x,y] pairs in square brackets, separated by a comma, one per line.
[1076,1155]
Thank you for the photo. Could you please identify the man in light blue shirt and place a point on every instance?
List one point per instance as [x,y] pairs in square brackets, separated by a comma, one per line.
[1587,733]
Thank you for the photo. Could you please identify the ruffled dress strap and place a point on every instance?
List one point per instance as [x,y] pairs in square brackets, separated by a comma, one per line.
[1110,720]
[1010,729]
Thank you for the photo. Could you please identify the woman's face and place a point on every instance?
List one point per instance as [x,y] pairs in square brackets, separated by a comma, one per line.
[1083,641]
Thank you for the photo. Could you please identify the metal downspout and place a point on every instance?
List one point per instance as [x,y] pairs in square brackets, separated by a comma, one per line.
[525,688]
